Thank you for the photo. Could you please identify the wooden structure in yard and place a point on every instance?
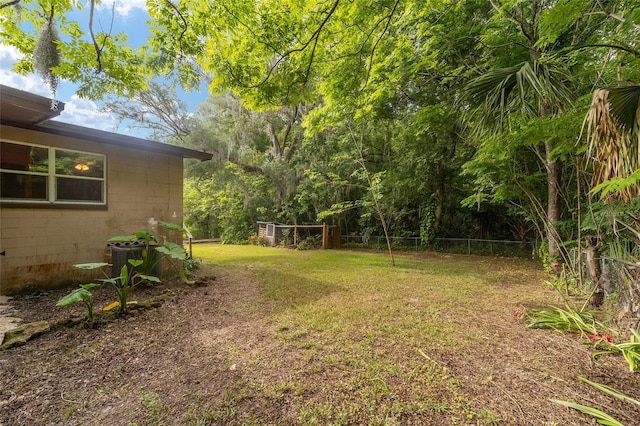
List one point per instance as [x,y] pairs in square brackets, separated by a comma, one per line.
[275,233]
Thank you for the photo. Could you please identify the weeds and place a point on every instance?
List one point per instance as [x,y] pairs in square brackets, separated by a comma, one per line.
[600,416]
[152,402]
[630,350]
[566,320]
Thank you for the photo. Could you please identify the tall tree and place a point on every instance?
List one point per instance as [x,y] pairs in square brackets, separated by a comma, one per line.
[540,83]
[157,108]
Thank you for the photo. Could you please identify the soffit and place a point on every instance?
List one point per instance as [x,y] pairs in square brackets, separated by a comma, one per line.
[20,107]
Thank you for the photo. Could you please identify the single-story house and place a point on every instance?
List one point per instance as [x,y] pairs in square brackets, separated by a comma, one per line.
[66,189]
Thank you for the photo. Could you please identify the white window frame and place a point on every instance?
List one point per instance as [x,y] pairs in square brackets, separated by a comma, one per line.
[52,177]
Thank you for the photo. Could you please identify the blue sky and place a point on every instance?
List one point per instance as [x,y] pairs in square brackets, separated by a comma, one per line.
[130,17]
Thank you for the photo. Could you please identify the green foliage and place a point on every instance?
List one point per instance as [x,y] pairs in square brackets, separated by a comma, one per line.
[149,259]
[309,243]
[556,21]
[599,415]
[126,281]
[135,271]
[81,295]
[616,185]
[427,225]
[228,204]
[293,82]
[630,350]
[100,66]
[609,391]
[173,250]
[566,320]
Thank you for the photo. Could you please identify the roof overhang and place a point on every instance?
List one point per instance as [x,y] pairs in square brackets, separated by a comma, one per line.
[94,135]
[29,111]
[18,106]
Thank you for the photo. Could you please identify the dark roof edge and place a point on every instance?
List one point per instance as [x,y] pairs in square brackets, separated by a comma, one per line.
[48,107]
[94,135]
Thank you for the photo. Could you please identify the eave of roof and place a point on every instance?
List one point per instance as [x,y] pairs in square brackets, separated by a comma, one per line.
[24,107]
[30,111]
[94,135]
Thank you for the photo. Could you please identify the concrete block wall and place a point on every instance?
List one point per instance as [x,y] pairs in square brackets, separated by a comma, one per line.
[41,244]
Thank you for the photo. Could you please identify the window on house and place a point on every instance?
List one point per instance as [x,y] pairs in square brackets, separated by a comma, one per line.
[39,174]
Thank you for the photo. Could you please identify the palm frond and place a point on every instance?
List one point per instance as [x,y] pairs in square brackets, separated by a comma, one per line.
[533,89]
[494,87]
[613,141]
[625,101]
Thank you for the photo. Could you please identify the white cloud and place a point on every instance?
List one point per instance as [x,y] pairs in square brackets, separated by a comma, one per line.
[77,111]
[30,83]
[123,7]
[84,112]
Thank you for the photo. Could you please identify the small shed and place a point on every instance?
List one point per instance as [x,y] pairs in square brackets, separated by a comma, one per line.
[275,234]
[66,189]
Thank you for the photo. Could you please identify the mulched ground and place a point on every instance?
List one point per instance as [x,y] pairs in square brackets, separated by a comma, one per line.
[186,363]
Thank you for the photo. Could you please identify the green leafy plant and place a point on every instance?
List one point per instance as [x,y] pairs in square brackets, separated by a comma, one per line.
[609,390]
[568,320]
[83,295]
[125,283]
[151,240]
[562,281]
[311,242]
[630,350]
[176,252]
[149,259]
[600,416]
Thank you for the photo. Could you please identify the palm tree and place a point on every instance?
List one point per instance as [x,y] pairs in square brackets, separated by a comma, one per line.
[613,138]
[531,90]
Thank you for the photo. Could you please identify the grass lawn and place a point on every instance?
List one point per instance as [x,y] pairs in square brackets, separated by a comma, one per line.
[324,337]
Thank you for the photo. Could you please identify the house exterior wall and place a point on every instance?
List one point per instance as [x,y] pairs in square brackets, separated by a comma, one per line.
[41,244]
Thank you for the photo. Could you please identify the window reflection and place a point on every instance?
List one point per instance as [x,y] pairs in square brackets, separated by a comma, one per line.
[27,174]
[73,163]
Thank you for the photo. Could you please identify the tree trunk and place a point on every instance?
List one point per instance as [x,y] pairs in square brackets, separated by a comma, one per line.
[593,260]
[553,202]
[275,143]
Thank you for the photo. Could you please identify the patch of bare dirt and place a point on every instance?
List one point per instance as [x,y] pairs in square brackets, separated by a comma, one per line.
[186,362]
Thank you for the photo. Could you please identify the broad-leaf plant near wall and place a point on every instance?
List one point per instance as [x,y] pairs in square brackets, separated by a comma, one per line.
[83,295]
[125,282]
[132,273]
[151,240]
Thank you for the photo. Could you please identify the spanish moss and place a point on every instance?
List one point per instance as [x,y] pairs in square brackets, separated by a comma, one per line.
[46,55]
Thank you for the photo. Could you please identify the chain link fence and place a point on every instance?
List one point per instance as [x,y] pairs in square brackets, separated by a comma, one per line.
[482,247]
[620,281]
